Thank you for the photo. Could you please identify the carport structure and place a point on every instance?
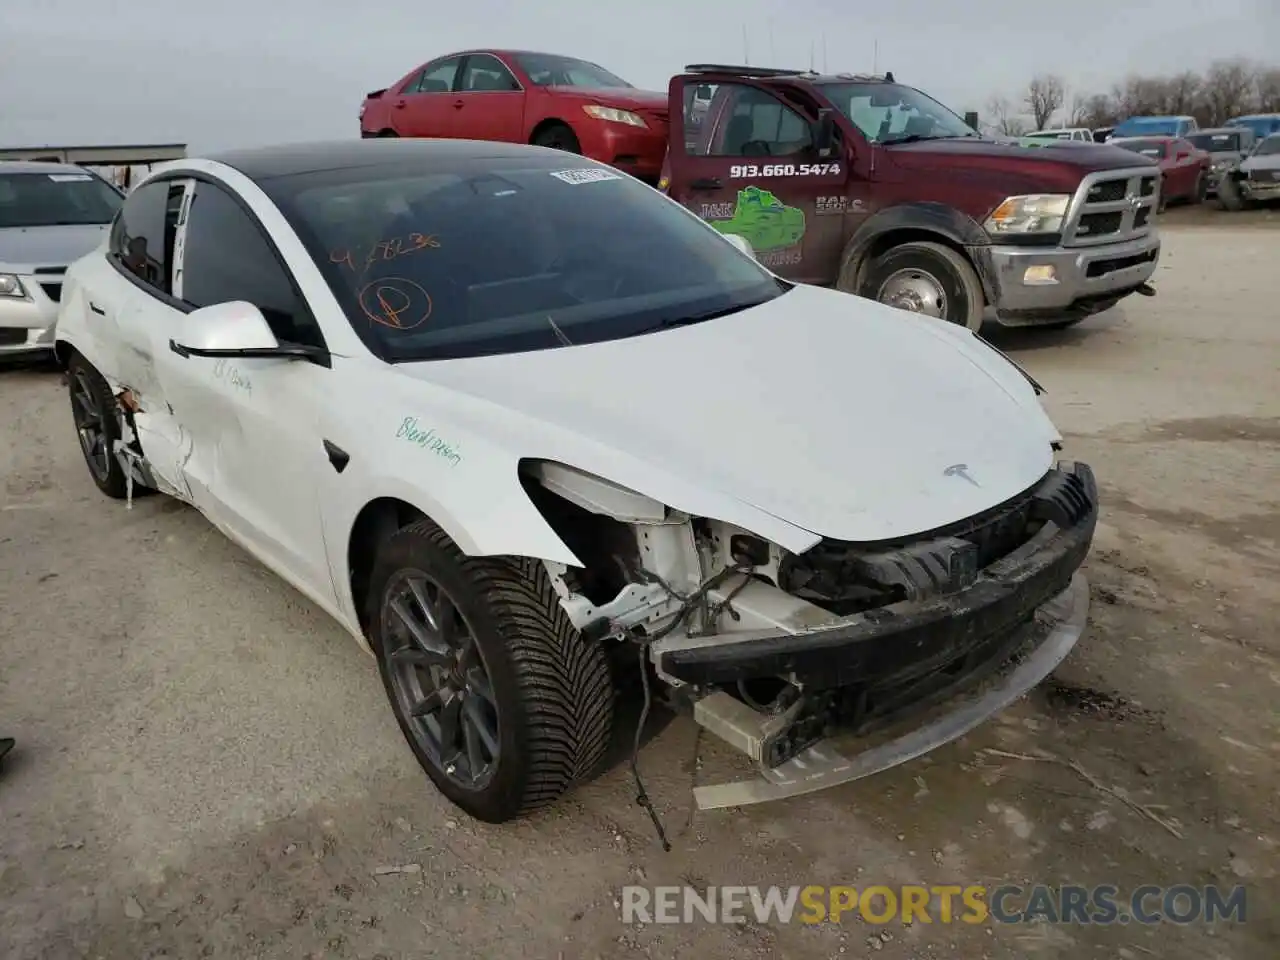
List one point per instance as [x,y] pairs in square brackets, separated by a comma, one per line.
[123,156]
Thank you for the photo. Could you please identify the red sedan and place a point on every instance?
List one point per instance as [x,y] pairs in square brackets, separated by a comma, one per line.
[1184,168]
[520,97]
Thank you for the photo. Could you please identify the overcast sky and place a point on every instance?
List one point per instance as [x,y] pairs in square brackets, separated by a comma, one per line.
[222,73]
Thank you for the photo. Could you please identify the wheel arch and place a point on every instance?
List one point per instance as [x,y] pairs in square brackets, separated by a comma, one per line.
[546,123]
[916,222]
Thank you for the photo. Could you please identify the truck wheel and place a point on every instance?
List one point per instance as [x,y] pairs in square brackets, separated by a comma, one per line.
[93,410]
[503,703]
[557,136]
[1202,189]
[928,278]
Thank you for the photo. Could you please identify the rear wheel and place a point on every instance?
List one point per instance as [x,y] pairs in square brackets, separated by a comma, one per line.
[924,277]
[502,701]
[93,411]
[387,133]
[557,136]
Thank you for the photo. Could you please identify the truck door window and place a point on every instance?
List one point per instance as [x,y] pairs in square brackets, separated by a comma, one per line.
[754,124]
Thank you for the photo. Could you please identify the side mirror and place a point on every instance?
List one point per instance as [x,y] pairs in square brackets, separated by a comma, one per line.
[742,243]
[236,329]
[824,133]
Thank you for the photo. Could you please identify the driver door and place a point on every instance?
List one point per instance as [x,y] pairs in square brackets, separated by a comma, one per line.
[256,449]
[746,164]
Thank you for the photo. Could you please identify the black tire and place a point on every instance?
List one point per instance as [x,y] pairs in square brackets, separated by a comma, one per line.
[387,133]
[1202,190]
[930,265]
[87,388]
[557,136]
[1163,203]
[551,692]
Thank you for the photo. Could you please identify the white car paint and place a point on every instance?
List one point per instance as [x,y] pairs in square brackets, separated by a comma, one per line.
[703,419]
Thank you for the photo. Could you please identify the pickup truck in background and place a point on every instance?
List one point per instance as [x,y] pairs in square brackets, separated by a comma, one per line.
[518,96]
[870,186]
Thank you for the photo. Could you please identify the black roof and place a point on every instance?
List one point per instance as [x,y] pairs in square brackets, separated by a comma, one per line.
[766,73]
[265,163]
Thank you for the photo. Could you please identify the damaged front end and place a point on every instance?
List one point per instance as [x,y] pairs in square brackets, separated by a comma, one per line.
[895,647]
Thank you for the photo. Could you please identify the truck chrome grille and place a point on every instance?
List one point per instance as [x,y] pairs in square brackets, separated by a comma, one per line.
[1112,206]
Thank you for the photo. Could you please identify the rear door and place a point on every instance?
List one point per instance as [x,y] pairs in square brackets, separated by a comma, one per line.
[424,108]
[488,103]
[256,451]
[744,160]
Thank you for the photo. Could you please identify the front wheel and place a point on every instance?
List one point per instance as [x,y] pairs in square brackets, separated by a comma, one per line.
[558,136]
[93,412]
[504,704]
[928,278]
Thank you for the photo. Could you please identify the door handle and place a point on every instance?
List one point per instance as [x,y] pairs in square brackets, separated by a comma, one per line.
[179,349]
[400,104]
[97,309]
[457,104]
[707,183]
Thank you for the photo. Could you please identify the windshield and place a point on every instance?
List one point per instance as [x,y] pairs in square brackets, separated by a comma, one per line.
[891,113]
[1216,142]
[1148,148]
[56,199]
[511,255]
[1261,126]
[1267,148]
[545,70]
[1150,126]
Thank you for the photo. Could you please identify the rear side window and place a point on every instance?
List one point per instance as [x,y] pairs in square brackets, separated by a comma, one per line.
[227,257]
[140,239]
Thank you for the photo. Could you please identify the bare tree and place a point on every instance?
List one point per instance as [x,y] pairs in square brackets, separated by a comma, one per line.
[1098,110]
[1182,93]
[1228,89]
[1003,119]
[1044,96]
[1267,94]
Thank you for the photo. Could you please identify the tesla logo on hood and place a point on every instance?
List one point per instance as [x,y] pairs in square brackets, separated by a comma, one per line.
[960,470]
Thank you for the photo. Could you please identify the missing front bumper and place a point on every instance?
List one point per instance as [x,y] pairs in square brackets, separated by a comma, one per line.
[1055,628]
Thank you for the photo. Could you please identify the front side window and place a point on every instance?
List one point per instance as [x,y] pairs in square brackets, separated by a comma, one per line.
[486,74]
[545,70]
[756,124]
[436,77]
[891,113]
[56,199]
[141,238]
[1158,149]
[226,257]
[511,255]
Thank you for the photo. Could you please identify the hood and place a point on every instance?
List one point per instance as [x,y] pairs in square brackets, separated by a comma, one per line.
[1270,161]
[58,246]
[832,413]
[625,97]
[1078,158]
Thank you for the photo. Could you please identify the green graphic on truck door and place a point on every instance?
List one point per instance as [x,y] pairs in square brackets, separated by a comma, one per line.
[764,221]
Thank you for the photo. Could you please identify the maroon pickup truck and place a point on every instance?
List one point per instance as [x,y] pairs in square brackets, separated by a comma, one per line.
[870,186]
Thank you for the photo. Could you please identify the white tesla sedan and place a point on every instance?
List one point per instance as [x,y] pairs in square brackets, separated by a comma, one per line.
[529,430]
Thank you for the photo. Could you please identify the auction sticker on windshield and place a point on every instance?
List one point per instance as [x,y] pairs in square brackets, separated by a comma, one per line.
[585,175]
[738,171]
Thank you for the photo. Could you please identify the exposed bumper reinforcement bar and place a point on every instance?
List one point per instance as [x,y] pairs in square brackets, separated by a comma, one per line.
[822,765]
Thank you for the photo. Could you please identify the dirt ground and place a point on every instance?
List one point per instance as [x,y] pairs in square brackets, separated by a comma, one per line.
[207,766]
